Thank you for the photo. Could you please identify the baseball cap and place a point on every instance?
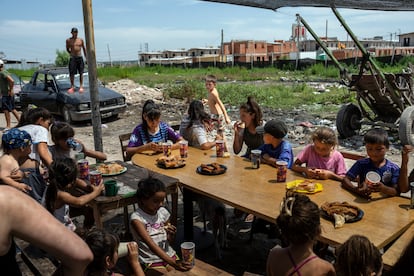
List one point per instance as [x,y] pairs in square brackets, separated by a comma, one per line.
[15,139]
[276,128]
[74,30]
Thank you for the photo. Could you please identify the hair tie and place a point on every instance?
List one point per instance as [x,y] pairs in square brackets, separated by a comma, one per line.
[287,205]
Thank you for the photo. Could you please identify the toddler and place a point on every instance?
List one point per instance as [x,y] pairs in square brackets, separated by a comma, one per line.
[299,224]
[151,229]
[16,146]
[322,160]
[377,145]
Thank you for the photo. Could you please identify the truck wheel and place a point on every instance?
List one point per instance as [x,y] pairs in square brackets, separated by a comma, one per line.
[348,120]
[405,129]
[66,115]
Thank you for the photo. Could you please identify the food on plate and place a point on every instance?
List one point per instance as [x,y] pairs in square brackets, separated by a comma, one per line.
[111,168]
[169,226]
[171,161]
[340,211]
[213,168]
[306,185]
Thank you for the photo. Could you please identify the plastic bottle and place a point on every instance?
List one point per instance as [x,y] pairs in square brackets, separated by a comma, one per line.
[74,145]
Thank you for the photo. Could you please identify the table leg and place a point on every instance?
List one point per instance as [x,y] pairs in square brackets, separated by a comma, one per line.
[188,215]
[97,216]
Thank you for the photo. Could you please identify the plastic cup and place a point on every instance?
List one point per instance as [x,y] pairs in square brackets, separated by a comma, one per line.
[220,148]
[372,178]
[166,148]
[255,157]
[188,252]
[95,177]
[183,149]
[281,167]
[111,189]
[122,249]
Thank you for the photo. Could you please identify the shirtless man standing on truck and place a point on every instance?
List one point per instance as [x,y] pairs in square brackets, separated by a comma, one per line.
[74,46]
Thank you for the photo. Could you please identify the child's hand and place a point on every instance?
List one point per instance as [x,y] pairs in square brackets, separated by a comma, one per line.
[98,189]
[132,251]
[322,174]
[17,175]
[376,187]
[182,266]
[23,187]
[155,146]
[407,149]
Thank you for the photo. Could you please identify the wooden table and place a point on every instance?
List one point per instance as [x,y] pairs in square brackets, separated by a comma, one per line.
[131,178]
[256,191]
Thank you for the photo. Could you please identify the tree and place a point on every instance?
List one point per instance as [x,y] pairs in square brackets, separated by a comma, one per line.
[62,58]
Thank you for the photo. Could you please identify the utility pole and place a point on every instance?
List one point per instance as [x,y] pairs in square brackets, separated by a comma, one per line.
[93,75]
[297,41]
[326,35]
[109,54]
[222,46]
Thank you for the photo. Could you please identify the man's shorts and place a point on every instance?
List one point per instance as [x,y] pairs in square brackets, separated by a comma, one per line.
[218,121]
[7,103]
[76,65]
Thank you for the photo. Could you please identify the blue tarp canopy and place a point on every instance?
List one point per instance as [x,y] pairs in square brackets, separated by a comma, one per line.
[384,5]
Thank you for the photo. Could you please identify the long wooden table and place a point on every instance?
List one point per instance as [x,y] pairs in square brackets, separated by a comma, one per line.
[130,178]
[256,191]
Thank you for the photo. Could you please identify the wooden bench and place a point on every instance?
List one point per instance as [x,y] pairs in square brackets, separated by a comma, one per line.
[393,253]
[201,269]
[37,260]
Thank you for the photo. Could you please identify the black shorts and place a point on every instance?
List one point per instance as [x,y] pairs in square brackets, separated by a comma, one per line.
[76,65]
[7,103]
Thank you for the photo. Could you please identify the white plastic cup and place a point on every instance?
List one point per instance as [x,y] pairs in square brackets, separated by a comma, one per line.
[372,178]
[122,249]
[188,252]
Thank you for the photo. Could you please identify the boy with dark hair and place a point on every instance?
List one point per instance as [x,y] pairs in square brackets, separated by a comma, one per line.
[275,148]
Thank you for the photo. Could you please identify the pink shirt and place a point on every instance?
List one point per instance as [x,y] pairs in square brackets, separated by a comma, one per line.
[335,163]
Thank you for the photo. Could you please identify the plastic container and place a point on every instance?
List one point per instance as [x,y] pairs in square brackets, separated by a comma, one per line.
[74,145]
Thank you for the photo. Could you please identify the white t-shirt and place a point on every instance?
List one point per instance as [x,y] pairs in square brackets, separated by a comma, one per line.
[39,134]
[155,228]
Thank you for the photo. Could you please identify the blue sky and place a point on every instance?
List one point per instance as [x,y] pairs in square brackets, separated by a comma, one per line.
[34,30]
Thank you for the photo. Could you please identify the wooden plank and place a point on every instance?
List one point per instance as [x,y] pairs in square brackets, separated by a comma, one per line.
[201,269]
[35,259]
[393,253]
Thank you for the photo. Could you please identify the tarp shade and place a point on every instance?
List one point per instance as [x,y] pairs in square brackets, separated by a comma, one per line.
[384,5]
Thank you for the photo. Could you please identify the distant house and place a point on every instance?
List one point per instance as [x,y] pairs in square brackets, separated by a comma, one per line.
[406,39]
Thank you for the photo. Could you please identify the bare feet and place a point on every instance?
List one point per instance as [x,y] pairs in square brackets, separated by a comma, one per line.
[81,89]
[71,90]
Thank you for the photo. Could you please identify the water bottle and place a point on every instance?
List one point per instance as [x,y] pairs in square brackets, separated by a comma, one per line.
[74,145]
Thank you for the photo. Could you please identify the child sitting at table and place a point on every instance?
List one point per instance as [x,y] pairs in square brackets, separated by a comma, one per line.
[377,145]
[274,147]
[322,160]
[16,146]
[62,134]
[299,224]
[152,230]
[358,256]
[62,176]
[148,135]
[105,246]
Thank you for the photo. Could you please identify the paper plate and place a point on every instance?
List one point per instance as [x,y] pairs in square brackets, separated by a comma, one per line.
[292,185]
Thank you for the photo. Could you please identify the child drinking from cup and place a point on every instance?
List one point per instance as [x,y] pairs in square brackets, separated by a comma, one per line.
[62,176]
[152,230]
[62,133]
[321,158]
[105,249]
[149,135]
[377,145]
[300,226]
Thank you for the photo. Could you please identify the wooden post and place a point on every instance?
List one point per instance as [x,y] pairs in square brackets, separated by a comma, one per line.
[93,74]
